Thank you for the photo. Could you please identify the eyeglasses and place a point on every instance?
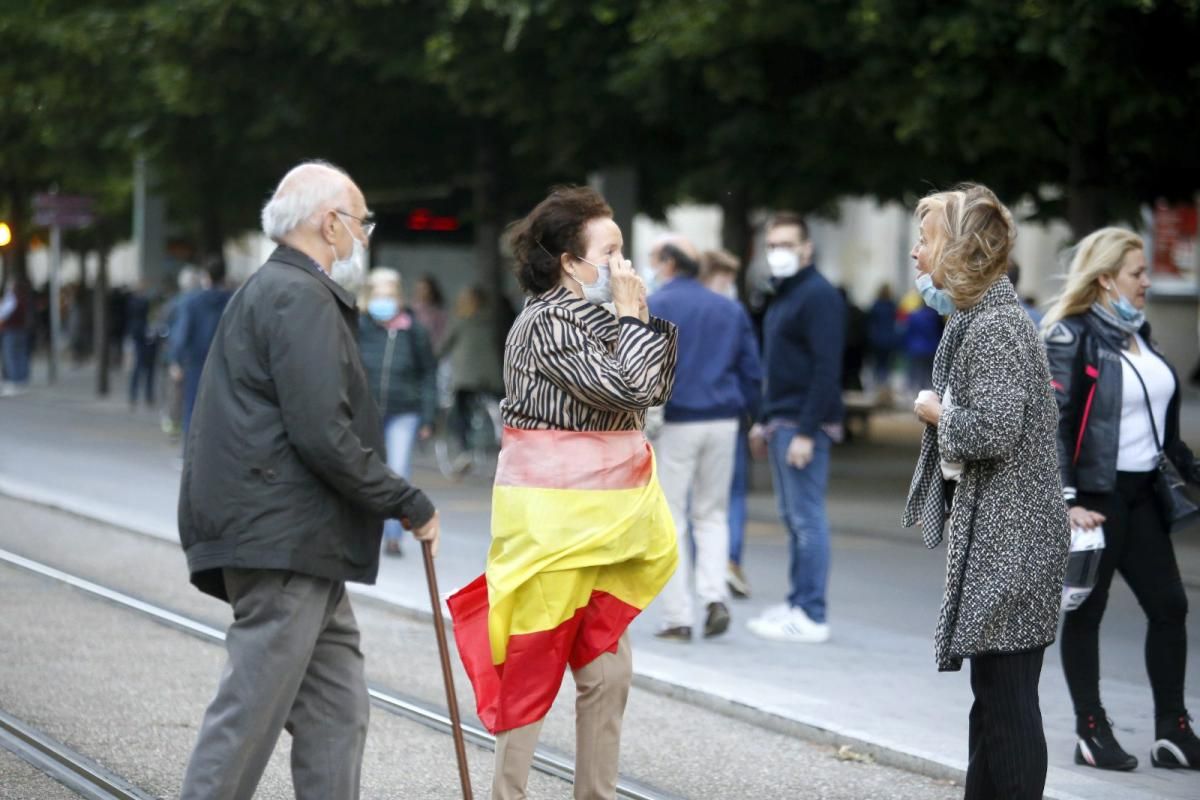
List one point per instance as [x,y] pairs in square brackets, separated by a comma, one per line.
[367,223]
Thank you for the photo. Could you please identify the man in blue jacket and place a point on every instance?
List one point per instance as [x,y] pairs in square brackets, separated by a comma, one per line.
[717,378]
[193,333]
[803,340]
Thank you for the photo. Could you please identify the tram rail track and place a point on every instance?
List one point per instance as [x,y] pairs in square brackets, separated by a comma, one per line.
[427,714]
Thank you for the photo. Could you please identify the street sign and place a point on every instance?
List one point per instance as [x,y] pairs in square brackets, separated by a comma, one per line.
[62,210]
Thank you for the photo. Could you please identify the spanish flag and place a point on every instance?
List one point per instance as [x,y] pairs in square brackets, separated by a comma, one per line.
[582,541]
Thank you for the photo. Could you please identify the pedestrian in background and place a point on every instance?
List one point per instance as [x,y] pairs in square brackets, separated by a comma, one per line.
[717,379]
[882,337]
[988,464]
[429,307]
[922,332]
[473,351]
[1111,434]
[188,283]
[854,351]
[16,321]
[283,497]
[719,272]
[581,535]
[144,338]
[803,337]
[193,333]
[402,373]
[1014,277]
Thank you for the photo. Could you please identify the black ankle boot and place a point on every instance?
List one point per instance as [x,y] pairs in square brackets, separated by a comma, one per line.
[1097,747]
[1177,746]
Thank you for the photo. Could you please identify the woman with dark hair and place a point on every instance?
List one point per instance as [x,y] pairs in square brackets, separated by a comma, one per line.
[429,307]
[582,538]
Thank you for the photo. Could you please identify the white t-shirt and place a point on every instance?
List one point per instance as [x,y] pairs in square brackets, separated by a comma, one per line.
[1138,451]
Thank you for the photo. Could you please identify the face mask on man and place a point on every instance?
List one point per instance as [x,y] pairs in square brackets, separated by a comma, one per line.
[937,299]
[383,309]
[348,272]
[598,292]
[784,263]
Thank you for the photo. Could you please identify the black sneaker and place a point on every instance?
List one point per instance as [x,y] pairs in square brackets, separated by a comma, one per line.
[1097,747]
[1177,746]
[717,621]
[676,633]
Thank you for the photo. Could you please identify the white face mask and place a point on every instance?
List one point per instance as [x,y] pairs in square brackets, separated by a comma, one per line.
[599,292]
[783,263]
[349,272]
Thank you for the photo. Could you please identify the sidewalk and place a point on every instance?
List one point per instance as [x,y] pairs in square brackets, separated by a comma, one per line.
[873,686]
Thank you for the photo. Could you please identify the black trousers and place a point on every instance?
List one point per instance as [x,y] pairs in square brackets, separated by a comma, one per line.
[1138,546]
[1007,744]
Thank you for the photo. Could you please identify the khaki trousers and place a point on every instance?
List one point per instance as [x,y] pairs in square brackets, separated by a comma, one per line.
[601,689]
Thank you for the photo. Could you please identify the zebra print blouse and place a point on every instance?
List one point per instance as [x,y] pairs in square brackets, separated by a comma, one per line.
[571,365]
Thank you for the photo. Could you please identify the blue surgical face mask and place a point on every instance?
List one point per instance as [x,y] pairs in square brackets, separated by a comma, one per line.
[1127,310]
[599,292]
[383,309]
[937,299]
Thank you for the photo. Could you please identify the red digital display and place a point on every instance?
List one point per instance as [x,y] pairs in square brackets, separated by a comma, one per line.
[422,219]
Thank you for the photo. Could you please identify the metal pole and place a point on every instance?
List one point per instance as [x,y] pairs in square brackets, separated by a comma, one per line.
[55,322]
[460,748]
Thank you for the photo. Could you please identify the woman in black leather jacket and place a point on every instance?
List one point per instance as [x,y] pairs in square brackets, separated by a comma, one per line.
[1110,429]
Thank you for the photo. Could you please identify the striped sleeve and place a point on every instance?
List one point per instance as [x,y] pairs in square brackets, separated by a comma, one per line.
[638,374]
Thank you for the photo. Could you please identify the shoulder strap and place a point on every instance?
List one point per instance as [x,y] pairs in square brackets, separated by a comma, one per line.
[1149,406]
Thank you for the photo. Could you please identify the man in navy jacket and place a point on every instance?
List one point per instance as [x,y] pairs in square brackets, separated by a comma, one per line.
[717,379]
[803,340]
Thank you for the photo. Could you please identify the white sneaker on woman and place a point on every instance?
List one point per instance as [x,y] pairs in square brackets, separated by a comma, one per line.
[792,625]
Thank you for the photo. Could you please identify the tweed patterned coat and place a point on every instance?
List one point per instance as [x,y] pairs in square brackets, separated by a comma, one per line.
[1009,531]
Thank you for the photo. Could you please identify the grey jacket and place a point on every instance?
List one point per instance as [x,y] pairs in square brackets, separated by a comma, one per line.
[1008,532]
[284,467]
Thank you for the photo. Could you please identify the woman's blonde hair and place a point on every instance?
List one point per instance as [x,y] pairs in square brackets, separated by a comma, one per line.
[974,233]
[1099,253]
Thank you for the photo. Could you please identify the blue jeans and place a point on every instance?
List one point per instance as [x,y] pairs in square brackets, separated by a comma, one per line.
[400,436]
[737,497]
[16,356]
[801,494]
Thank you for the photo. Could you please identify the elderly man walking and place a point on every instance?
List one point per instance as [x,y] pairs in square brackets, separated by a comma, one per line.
[717,381]
[284,493]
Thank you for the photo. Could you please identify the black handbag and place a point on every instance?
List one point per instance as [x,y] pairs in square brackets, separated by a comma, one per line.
[1170,488]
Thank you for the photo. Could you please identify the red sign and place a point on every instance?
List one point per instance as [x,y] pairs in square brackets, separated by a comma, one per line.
[62,210]
[422,219]
[1174,240]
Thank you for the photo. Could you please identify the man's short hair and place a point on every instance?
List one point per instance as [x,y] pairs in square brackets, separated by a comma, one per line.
[307,191]
[784,218]
[717,262]
[684,264]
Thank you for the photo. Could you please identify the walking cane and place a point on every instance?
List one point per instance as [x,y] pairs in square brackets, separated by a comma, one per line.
[460,748]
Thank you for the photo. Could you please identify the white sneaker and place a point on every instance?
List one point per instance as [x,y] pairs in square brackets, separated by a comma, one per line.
[792,626]
[776,611]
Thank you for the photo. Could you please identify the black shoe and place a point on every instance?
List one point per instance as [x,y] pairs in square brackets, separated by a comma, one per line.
[1097,747]
[1177,746]
[677,633]
[717,621]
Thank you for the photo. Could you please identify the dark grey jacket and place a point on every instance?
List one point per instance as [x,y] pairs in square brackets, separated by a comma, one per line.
[1085,362]
[284,467]
[1008,532]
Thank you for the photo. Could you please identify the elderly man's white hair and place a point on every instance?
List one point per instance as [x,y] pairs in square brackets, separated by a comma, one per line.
[385,275]
[307,191]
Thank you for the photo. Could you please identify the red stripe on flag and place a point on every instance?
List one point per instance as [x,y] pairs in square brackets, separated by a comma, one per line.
[522,689]
[554,459]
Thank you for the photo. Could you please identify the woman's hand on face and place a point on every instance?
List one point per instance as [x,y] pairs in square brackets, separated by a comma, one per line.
[928,407]
[1082,518]
[643,306]
[627,287]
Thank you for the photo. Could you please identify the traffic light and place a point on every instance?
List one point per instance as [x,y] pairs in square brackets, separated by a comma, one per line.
[5,234]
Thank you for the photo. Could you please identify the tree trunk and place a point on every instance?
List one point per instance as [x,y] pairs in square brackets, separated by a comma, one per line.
[737,234]
[18,248]
[1087,171]
[100,322]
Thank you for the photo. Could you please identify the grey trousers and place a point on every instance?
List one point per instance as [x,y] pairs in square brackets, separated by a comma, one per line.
[295,664]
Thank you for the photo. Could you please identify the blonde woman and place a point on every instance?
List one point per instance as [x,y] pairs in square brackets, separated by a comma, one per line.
[987,463]
[1101,355]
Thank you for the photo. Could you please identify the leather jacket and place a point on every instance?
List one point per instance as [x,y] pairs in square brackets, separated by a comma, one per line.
[1087,375]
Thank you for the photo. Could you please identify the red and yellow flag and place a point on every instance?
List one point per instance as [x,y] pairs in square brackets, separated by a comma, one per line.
[582,541]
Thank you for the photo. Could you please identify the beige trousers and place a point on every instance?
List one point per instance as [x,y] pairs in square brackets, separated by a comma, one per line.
[601,689]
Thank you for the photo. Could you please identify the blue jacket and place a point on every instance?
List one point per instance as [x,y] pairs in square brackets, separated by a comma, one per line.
[804,335]
[717,375]
[922,332]
[195,326]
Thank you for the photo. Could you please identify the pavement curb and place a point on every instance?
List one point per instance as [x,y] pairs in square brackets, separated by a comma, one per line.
[811,730]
